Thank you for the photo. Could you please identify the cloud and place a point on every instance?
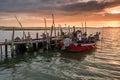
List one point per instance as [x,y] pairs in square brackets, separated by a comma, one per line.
[61,7]
[90,6]
[64,7]
[23,5]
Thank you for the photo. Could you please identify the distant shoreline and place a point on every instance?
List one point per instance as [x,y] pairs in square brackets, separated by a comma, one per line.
[24,28]
[43,28]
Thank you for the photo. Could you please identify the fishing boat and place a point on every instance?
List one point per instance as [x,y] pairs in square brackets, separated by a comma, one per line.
[79,40]
[81,47]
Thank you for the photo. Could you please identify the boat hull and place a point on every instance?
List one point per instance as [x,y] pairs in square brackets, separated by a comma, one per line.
[82,47]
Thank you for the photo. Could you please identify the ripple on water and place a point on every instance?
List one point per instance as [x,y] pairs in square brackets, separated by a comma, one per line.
[103,63]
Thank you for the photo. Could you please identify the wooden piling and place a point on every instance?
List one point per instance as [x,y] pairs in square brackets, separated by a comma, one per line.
[37,42]
[45,30]
[12,53]
[85,27]
[47,35]
[6,48]
[69,31]
[43,37]
[12,43]
[73,28]
[1,50]
[37,36]
[24,35]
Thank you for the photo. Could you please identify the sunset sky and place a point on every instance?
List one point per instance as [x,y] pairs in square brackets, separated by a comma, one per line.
[31,13]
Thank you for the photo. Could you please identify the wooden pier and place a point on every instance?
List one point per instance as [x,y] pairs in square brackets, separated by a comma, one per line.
[28,45]
[24,41]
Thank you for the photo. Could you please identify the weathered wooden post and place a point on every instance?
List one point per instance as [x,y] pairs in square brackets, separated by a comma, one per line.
[48,41]
[12,53]
[69,31]
[73,28]
[12,43]
[58,31]
[6,48]
[37,41]
[1,51]
[44,38]
[45,30]
[82,27]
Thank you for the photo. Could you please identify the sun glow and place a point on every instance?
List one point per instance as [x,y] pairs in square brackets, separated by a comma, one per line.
[115,12]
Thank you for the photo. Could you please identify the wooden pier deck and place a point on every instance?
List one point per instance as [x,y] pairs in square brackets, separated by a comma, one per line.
[25,45]
[25,41]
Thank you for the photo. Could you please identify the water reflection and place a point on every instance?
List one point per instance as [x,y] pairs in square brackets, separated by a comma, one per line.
[77,56]
[46,56]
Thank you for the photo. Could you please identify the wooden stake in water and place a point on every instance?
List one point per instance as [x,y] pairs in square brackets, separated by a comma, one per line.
[58,33]
[1,48]
[69,31]
[51,31]
[82,27]
[12,43]
[53,28]
[6,48]
[24,35]
[85,27]
[61,31]
[73,28]
[45,31]
[1,51]
[36,42]
[54,24]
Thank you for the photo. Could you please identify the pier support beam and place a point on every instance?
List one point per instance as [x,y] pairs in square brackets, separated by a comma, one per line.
[6,48]
[12,53]
[12,43]
[1,51]
[36,42]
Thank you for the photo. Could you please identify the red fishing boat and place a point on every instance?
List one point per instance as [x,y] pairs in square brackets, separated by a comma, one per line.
[75,45]
[81,47]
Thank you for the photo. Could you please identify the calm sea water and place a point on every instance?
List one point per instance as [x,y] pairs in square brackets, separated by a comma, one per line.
[102,63]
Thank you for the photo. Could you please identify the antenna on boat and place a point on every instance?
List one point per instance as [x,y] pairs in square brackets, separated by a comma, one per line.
[24,35]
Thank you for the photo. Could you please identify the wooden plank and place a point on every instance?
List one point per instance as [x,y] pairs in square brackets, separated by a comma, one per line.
[24,42]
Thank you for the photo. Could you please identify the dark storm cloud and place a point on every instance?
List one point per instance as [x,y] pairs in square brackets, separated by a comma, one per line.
[70,6]
[22,5]
[90,6]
